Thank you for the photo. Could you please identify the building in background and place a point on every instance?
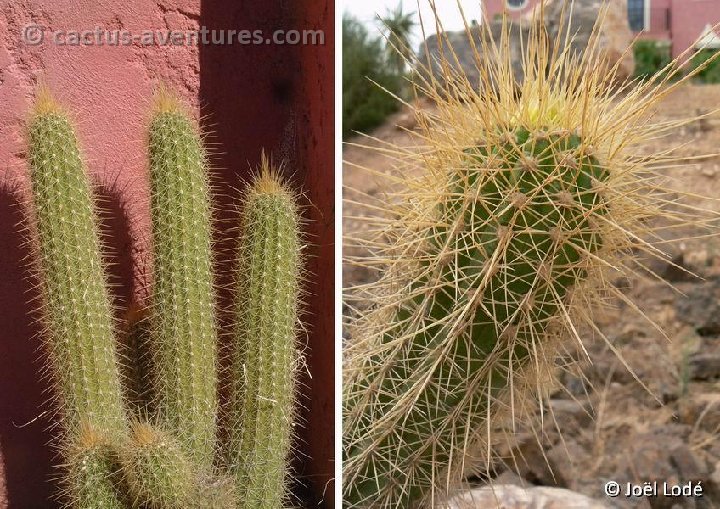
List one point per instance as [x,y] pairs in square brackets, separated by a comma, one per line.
[679,22]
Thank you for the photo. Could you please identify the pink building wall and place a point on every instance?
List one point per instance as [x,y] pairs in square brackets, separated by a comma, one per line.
[680,22]
[688,19]
[278,98]
[660,21]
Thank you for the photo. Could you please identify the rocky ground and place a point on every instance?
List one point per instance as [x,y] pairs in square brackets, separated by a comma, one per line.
[613,429]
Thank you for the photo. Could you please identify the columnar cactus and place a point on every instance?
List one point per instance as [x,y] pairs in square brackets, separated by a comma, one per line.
[183,333]
[269,257]
[511,237]
[159,474]
[492,260]
[114,456]
[77,309]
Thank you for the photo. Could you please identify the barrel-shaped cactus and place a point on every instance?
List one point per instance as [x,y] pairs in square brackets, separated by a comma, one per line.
[182,318]
[493,251]
[266,359]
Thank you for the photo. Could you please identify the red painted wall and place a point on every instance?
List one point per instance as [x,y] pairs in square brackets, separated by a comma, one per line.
[279,98]
[660,20]
[681,22]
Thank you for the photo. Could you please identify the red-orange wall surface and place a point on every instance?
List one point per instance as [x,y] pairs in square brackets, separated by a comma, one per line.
[276,97]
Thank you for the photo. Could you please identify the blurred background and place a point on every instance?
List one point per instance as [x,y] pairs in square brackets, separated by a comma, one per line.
[657,30]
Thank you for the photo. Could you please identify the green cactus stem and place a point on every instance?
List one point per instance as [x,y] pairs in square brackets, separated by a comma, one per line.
[511,239]
[93,477]
[269,260]
[182,318]
[77,310]
[157,471]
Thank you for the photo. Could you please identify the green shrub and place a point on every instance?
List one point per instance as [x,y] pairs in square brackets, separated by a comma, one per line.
[651,57]
[365,104]
[711,73]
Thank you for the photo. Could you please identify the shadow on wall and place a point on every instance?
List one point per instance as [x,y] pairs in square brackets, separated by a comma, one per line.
[23,429]
[280,98]
[26,411]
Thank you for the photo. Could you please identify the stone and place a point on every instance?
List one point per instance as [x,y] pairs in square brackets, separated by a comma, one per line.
[701,308]
[572,412]
[576,385]
[662,455]
[509,477]
[714,482]
[704,366]
[509,496]
[703,124]
[531,461]
[406,121]
[464,51]
[615,36]
[689,466]
[563,460]
[678,270]
[710,172]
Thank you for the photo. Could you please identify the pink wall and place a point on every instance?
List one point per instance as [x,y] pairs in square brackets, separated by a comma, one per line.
[679,21]
[689,18]
[660,16]
[279,98]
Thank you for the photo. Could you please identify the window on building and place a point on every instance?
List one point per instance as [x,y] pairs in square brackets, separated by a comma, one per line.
[516,4]
[636,15]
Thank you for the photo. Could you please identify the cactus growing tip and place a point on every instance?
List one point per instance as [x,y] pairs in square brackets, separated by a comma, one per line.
[45,103]
[268,179]
[166,101]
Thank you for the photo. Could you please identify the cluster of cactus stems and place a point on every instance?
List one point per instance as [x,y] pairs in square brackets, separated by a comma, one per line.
[492,254]
[121,447]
